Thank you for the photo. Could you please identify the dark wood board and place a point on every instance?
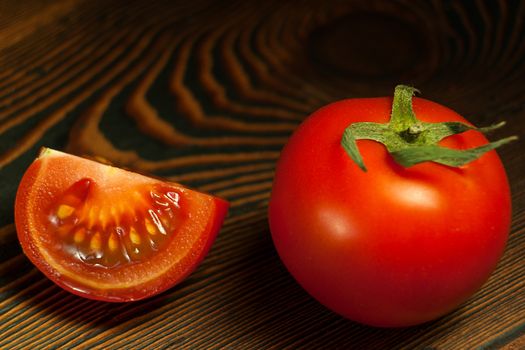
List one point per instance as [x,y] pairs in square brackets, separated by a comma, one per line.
[206,94]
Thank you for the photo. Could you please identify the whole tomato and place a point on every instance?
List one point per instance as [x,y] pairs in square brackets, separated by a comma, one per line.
[393,245]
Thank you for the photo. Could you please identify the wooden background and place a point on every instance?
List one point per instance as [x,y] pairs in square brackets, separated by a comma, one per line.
[206,93]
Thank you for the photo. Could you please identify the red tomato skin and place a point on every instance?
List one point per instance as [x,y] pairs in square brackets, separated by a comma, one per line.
[26,203]
[393,246]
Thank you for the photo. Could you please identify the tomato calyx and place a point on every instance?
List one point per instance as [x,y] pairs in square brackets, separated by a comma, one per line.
[411,141]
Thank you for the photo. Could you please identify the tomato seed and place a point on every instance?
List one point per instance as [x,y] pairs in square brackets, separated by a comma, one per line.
[150,227]
[157,221]
[112,242]
[96,242]
[134,236]
[79,236]
[64,211]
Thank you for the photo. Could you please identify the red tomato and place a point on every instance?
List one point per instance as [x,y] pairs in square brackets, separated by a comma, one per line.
[392,246]
[109,234]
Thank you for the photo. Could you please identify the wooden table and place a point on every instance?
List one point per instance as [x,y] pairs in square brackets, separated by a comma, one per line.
[206,93]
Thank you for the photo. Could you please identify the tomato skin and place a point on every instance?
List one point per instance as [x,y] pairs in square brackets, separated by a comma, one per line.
[48,176]
[392,246]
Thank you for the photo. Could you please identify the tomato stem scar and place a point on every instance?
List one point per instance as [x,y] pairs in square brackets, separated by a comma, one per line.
[411,141]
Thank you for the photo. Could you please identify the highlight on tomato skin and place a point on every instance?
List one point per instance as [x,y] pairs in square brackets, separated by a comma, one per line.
[109,234]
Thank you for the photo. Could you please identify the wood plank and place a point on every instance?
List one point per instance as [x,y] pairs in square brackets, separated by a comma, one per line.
[207,93]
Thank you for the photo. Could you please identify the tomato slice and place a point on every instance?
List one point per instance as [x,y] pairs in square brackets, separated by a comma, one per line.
[110,234]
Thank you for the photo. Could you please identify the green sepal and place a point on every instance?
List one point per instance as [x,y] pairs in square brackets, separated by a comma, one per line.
[438,131]
[446,156]
[348,143]
[365,130]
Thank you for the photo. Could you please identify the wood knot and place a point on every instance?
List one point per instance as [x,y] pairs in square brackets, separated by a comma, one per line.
[370,45]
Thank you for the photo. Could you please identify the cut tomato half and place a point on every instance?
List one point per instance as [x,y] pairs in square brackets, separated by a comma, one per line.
[110,234]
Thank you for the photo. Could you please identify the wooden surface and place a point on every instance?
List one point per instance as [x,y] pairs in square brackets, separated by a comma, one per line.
[206,93]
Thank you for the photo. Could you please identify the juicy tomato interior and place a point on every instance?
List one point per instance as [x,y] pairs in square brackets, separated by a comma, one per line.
[110,234]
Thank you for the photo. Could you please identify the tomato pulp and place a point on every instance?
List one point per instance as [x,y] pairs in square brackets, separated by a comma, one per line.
[109,234]
[391,246]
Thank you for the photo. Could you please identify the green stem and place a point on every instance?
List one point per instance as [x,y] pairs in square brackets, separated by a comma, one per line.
[403,117]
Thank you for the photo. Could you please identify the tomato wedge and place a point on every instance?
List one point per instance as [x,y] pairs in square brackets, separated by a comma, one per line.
[109,234]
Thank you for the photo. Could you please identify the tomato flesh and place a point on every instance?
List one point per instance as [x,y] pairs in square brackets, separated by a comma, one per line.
[110,234]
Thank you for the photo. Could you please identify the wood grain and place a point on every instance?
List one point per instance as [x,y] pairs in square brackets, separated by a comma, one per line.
[206,93]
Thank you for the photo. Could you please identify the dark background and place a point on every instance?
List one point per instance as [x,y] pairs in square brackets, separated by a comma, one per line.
[206,93]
